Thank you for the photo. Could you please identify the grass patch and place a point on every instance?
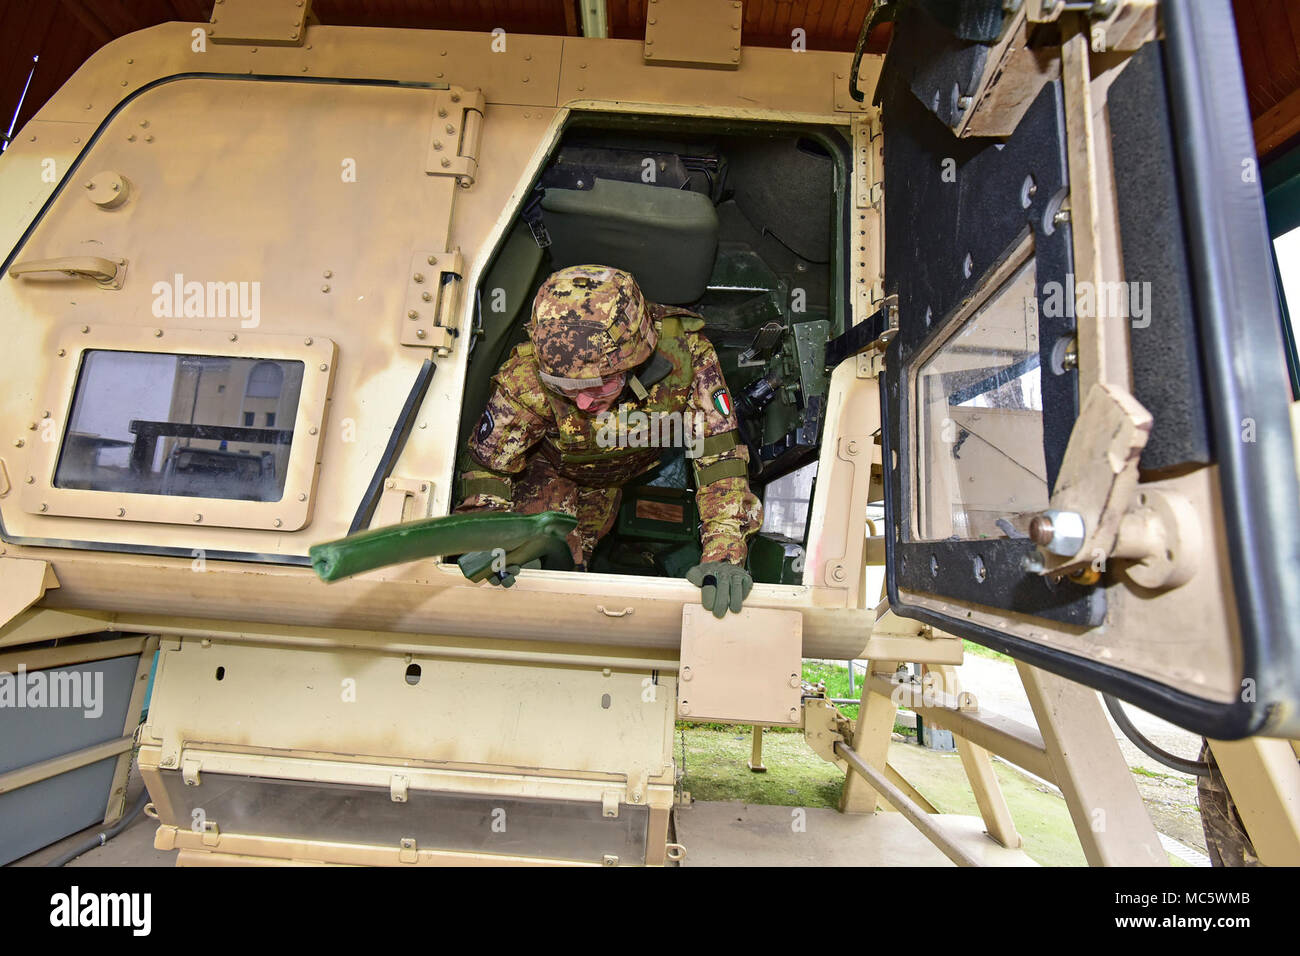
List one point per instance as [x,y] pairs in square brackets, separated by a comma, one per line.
[716,769]
[980,651]
[1144,772]
[836,679]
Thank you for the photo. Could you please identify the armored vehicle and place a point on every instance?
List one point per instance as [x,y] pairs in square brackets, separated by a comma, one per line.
[997,314]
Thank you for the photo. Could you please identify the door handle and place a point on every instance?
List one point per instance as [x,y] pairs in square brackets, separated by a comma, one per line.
[107,273]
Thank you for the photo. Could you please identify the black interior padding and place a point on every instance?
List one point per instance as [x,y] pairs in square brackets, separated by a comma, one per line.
[787,191]
[667,238]
[1167,375]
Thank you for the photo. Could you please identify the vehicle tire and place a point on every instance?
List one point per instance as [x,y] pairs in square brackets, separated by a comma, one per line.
[1226,840]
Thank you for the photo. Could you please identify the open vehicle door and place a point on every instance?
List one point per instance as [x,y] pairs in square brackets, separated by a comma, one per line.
[1087,440]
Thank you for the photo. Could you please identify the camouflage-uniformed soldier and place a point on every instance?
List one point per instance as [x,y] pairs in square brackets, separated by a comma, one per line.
[551,440]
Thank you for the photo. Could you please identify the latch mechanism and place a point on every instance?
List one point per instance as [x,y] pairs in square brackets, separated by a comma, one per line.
[403,499]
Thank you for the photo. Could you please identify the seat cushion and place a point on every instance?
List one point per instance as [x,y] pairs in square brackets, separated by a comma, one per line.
[667,238]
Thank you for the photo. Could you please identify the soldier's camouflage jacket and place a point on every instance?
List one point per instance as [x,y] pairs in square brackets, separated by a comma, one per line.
[524,419]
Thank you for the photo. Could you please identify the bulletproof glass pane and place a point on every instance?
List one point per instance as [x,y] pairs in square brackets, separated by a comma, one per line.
[981,472]
[185,425]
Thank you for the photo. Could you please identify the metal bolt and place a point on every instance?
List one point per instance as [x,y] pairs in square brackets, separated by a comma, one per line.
[445,162]
[121,512]
[198,517]
[426,296]
[324,288]
[433,260]
[307,340]
[31,479]
[302,496]
[312,430]
[412,314]
[451,129]
[418,277]
[1060,532]
[437,144]
[44,506]
[62,352]
[442,111]
[1062,216]
[85,329]
[328,273]
[324,367]
[964,102]
[157,333]
[278,522]
[234,337]
[419,333]
[18,443]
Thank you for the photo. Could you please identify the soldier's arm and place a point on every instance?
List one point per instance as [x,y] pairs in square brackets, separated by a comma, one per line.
[512,423]
[729,512]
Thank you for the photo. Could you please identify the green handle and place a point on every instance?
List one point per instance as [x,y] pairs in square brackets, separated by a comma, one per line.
[522,537]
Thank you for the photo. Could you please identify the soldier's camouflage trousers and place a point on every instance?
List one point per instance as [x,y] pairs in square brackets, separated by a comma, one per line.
[540,487]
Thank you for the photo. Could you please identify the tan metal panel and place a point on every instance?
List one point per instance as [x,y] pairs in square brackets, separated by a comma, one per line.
[743,667]
[361,704]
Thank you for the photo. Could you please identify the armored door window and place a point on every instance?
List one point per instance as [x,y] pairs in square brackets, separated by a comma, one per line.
[144,423]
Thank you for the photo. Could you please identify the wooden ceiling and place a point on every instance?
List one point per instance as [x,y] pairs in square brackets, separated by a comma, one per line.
[1268,35]
[63,33]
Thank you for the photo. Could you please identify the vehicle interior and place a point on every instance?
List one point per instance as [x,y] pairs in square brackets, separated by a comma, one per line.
[736,223]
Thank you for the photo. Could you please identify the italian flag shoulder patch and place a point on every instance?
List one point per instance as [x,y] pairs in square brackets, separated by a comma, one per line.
[722,400]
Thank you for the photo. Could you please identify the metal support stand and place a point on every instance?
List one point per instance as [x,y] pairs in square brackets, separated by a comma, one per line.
[756,752]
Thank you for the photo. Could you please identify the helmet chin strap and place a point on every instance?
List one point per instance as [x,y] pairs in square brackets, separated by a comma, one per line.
[652,371]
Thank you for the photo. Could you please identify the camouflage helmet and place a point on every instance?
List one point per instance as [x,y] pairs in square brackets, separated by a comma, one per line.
[588,323]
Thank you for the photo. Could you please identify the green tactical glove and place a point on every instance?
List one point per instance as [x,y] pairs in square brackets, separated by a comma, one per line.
[722,585]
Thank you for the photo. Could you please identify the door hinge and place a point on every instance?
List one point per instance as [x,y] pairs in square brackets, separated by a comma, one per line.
[432,306]
[455,135]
